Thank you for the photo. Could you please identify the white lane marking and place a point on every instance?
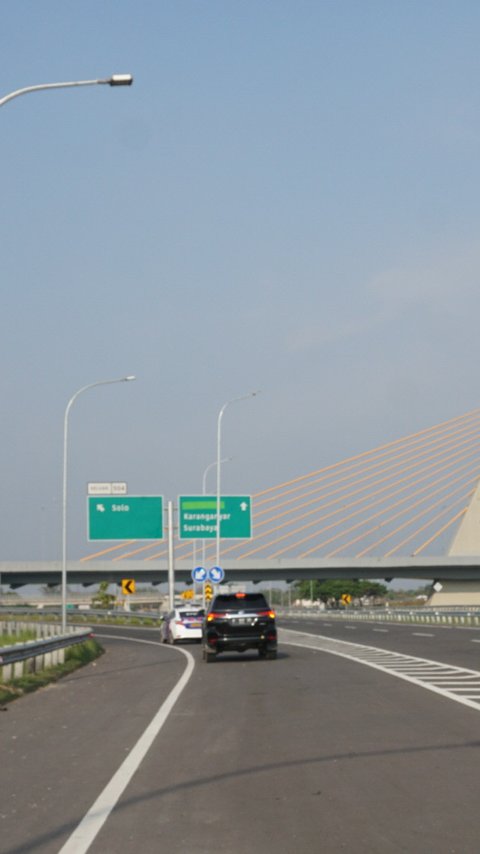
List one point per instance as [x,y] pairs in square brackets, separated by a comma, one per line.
[423,634]
[475,640]
[475,686]
[380,630]
[394,663]
[353,628]
[82,837]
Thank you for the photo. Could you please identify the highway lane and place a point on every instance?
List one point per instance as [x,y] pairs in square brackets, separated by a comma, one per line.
[449,644]
[307,753]
[63,743]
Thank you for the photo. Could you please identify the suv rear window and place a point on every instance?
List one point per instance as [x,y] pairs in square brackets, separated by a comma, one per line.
[239,602]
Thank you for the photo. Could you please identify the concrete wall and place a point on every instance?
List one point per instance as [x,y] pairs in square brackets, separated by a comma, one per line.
[462,593]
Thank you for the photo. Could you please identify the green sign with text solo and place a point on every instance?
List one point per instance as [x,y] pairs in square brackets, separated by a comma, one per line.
[126,517]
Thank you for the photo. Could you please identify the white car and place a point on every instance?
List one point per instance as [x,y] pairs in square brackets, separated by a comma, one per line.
[182,624]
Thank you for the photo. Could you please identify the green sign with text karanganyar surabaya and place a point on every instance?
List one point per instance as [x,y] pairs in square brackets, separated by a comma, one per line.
[197,517]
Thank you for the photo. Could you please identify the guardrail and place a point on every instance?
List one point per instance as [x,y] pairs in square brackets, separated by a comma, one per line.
[451,616]
[30,656]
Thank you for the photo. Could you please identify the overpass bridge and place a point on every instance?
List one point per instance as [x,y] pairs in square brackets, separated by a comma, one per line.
[409,508]
[18,573]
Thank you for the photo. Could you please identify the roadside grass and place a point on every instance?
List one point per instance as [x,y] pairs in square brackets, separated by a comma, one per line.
[114,620]
[19,637]
[75,618]
[75,657]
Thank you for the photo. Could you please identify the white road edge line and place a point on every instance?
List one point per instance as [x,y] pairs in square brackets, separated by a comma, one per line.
[82,837]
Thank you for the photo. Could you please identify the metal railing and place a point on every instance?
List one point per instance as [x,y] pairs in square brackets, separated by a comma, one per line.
[30,656]
[456,615]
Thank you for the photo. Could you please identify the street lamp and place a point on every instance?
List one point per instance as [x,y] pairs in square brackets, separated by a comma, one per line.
[114,80]
[64,499]
[211,466]
[219,462]
[204,492]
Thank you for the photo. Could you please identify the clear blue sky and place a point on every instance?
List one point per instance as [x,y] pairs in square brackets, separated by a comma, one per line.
[287,199]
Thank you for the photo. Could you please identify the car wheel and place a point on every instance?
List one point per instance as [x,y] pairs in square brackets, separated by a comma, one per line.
[271,654]
[262,653]
[209,656]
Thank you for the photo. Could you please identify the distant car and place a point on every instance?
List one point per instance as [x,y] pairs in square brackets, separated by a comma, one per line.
[237,622]
[182,624]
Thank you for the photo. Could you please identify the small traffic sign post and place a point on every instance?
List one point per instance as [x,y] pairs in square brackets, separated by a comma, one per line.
[132,517]
[128,586]
[208,590]
[197,517]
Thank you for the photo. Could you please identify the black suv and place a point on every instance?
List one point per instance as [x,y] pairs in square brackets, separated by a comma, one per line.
[237,622]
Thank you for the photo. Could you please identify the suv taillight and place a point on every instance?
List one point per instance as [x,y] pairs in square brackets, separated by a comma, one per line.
[214,615]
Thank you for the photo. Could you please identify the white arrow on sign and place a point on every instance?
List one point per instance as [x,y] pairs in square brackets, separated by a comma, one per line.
[243,505]
[101,508]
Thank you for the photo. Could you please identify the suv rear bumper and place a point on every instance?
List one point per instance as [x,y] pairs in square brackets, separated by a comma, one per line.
[239,643]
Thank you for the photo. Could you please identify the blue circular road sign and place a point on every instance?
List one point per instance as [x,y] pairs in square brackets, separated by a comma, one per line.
[216,574]
[199,574]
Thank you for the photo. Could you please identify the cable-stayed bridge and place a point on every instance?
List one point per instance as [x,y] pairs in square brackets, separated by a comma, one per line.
[405,498]
[391,511]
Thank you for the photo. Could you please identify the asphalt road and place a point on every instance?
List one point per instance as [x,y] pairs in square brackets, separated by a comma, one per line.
[449,644]
[309,753]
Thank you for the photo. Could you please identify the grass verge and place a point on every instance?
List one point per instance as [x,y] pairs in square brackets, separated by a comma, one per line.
[75,657]
[20,637]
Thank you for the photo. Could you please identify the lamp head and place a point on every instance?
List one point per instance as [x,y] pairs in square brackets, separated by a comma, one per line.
[120,80]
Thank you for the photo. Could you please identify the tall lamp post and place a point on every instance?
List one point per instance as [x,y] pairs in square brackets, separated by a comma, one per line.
[219,462]
[204,492]
[64,498]
[114,80]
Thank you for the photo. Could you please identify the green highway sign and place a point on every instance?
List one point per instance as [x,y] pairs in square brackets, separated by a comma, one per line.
[125,517]
[197,517]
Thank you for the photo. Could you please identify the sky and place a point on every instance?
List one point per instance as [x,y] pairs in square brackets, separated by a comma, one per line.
[285,200]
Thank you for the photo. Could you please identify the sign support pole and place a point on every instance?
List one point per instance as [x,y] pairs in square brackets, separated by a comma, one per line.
[171,566]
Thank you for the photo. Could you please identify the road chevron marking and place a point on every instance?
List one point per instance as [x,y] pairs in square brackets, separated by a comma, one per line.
[419,671]
[81,839]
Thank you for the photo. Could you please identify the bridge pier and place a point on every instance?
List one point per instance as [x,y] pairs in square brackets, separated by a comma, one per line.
[466,544]
[463,593]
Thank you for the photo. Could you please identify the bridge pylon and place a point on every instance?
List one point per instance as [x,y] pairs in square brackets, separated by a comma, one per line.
[466,543]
